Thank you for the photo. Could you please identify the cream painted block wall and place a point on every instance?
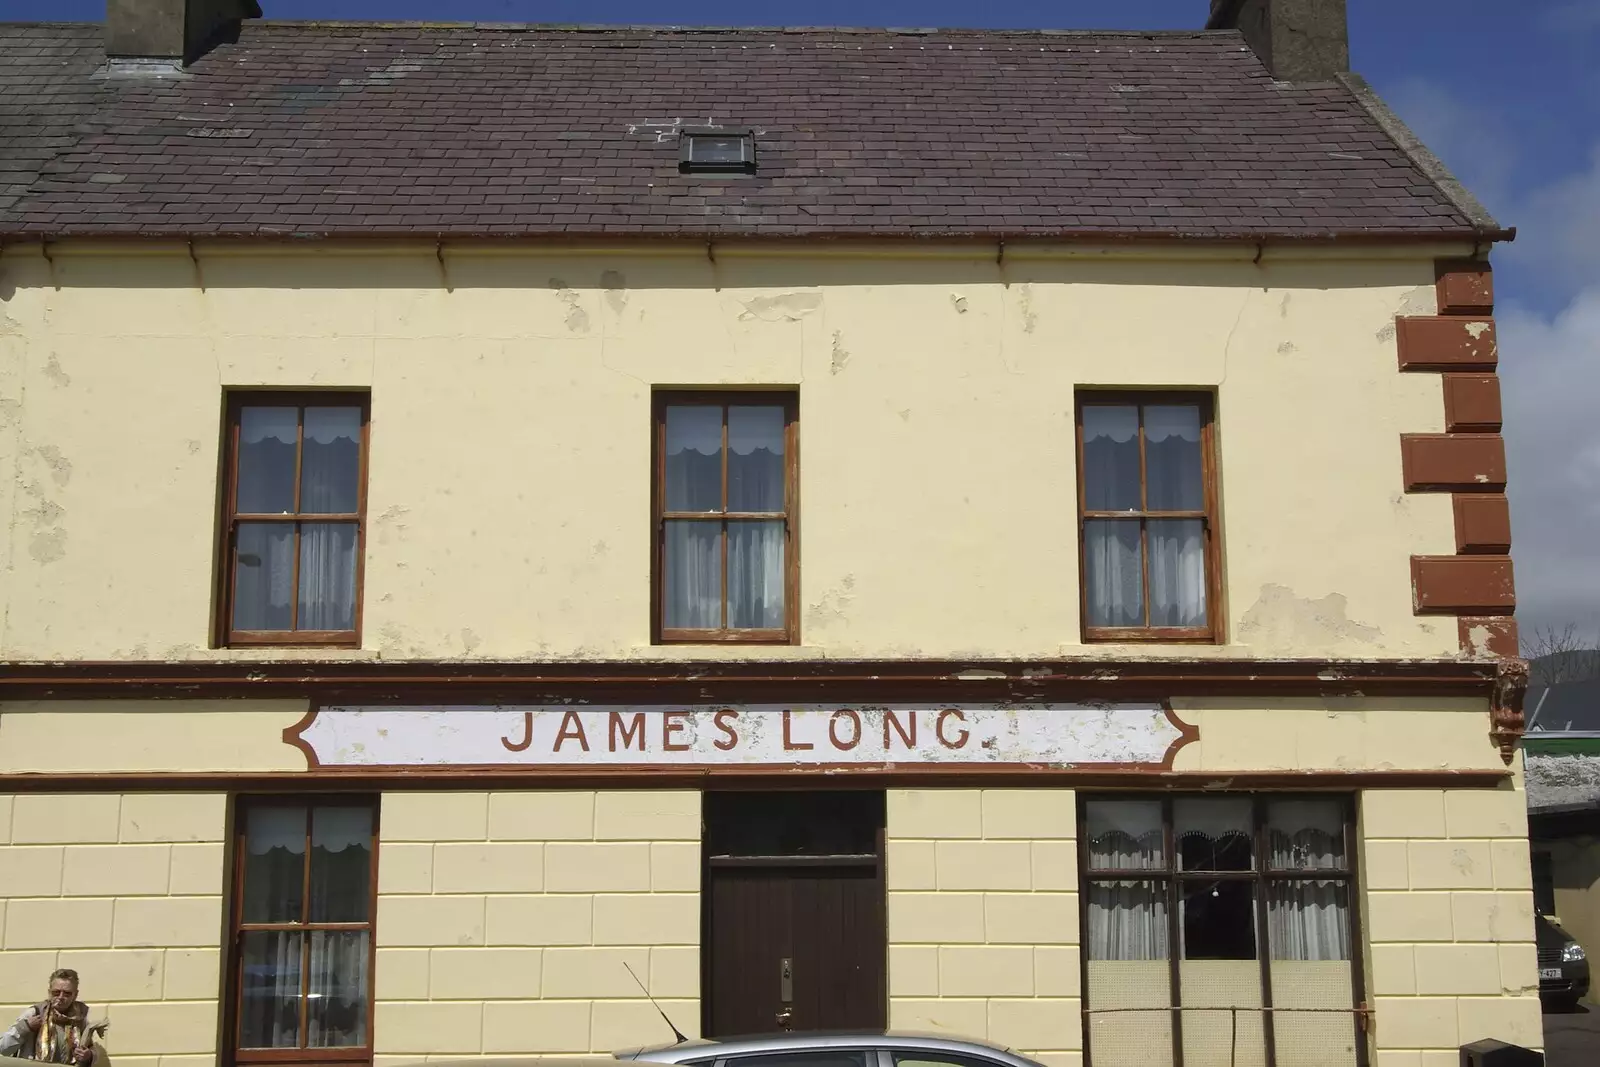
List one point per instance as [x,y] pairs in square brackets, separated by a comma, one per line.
[1448,921]
[126,890]
[502,382]
[983,916]
[505,921]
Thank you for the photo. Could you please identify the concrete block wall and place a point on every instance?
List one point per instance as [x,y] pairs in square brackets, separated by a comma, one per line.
[983,917]
[126,890]
[1448,922]
[505,919]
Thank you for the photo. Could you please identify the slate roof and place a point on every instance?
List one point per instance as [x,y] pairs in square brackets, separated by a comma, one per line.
[335,129]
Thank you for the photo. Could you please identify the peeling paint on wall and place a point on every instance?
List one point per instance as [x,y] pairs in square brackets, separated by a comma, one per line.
[577,319]
[53,371]
[1025,301]
[959,303]
[1281,618]
[615,285]
[787,307]
[841,355]
[57,465]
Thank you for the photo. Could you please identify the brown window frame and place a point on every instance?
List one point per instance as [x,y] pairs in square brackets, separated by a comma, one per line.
[233,1053]
[1171,878]
[789,400]
[225,635]
[1212,632]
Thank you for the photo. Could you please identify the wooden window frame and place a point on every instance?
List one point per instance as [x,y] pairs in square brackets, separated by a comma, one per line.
[1171,879]
[225,635]
[1212,632]
[789,400]
[237,1056]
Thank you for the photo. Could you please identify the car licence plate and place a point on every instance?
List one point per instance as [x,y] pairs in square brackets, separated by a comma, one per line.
[1550,972]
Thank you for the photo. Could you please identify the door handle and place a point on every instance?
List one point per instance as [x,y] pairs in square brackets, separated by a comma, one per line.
[786,993]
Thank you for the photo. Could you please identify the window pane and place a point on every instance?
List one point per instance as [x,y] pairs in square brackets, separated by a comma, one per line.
[1177,572]
[755,575]
[1213,834]
[1124,835]
[1306,834]
[274,864]
[1127,921]
[341,865]
[1218,919]
[1308,920]
[1113,572]
[828,1058]
[336,1016]
[330,469]
[1173,473]
[755,458]
[266,459]
[692,583]
[694,458]
[704,149]
[263,576]
[269,989]
[328,576]
[1111,457]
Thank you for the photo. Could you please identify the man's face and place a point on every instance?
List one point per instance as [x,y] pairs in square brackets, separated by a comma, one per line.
[62,994]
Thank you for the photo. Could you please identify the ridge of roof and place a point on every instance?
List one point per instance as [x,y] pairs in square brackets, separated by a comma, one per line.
[674,28]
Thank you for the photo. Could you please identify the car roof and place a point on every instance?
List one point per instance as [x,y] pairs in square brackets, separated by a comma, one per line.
[819,1040]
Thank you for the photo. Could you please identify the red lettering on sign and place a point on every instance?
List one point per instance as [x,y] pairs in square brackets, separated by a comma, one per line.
[789,744]
[833,729]
[571,730]
[628,732]
[527,735]
[732,735]
[908,738]
[938,728]
[671,725]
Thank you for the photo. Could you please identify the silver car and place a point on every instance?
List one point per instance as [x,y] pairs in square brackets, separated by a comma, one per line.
[841,1049]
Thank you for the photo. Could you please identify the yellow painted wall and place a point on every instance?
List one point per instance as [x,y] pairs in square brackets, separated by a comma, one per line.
[1449,922]
[1575,874]
[983,917]
[510,438]
[505,920]
[127,890]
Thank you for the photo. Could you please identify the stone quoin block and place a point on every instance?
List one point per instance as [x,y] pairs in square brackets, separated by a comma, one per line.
[1512,867]
[1483,524]
[1486,813]
[192,973]
[1466,463]
[597,867]
[171,922]
[1458,970]
[405,868]
[429,816]
[1417,1022]
[1030,918]
[166,1028]
[1029,813]
[417,921]
[623,1023]
[1408,917]
[984,864]
[1445,343]
[941,1015]
[914,970]
[1494,916]
[647,815]
[1386,864]
[1402,813]
[116,870]
[1489,636]
[481,867]
[1462,585]
[1464,286]
[674,971]
[934,814]
[197,869]
[1519,968]
[655,919]
[541,920]
[63,924]
[553,816]
[562,1026]
[1039,1023]
[401,974]
[935,918]
[171,817]
[1517,1020]
[1450,865]
[54,819]
[22,974]
[910,865]
[117,974]
[1056,971]
[1471,403]
[675,866]
[985,970]
[1394,970]
[1055,865]
[484,973]
[571,973]
[31,870]
[440,1028]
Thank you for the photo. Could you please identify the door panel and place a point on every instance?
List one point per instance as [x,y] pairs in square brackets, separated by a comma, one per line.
[825,917]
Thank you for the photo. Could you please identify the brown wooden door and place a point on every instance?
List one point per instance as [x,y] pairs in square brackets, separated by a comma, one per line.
[793,882]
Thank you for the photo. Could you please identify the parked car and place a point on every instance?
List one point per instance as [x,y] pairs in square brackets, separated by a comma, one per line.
[1563,966]
[852,1049]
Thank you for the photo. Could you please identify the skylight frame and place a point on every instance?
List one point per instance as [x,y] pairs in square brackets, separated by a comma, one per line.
[688,164]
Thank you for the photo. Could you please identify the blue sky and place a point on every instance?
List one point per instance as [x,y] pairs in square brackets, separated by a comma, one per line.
[1505,93]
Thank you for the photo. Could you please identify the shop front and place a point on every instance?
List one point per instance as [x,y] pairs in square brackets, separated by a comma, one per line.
[1278,864]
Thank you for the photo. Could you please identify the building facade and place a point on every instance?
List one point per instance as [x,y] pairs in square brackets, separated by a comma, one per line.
[425,634]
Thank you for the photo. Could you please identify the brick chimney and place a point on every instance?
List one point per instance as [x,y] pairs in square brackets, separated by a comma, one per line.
[180,30]
[1298,40]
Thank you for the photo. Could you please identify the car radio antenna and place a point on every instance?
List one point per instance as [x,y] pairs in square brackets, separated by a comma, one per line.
[675,1031]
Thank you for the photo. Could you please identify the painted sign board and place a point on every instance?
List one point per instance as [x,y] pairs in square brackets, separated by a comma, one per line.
[748,736]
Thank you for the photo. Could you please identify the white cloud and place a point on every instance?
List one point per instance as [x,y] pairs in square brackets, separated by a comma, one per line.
[1468,136]
[1550,380]
[1558,230]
